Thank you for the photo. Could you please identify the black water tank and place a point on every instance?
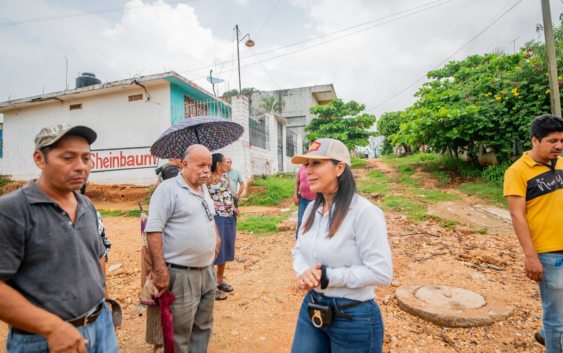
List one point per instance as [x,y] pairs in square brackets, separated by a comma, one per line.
[87,79]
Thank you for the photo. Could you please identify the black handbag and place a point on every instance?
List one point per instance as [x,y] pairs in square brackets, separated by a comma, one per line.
[321,314]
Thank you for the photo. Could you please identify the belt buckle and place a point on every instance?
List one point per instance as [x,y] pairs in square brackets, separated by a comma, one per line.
[86,318]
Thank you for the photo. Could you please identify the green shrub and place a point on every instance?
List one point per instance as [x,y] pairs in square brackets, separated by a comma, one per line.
[494,174]
[356,163]
[407,169]
[261,225]
[278,188]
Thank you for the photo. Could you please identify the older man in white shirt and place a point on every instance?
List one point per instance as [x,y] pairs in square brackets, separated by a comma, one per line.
[184,242]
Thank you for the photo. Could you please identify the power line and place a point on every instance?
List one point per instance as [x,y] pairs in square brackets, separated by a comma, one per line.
[331,40]
[87,13]
[270,15]
[342,30]
[265,69]
[448,58]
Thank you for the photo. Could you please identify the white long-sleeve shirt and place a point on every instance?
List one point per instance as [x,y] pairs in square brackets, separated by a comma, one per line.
[357,257]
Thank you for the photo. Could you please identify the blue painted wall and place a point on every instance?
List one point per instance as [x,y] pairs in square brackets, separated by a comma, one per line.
[178,89]
[1,132]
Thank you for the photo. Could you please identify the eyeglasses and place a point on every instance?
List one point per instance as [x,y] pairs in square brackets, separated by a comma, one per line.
[206,206]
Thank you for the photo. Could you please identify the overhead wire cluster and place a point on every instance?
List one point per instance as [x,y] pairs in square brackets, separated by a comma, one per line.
[448,58]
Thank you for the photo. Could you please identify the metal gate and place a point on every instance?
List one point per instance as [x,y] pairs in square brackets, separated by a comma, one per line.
[280,147]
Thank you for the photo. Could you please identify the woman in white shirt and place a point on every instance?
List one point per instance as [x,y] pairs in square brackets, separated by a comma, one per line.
[342,252]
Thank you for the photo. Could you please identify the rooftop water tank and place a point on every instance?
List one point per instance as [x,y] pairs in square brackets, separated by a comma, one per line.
[87,79]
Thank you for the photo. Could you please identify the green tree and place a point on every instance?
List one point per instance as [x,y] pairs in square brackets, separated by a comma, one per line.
[234,92]
[270,105]
[485,100]
[341,121]
[388,125]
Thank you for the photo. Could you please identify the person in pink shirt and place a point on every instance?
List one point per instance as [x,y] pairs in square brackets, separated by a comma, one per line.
[302,195]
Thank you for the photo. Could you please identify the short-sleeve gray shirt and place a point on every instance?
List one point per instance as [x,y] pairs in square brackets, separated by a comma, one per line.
[188,235]
[52,262]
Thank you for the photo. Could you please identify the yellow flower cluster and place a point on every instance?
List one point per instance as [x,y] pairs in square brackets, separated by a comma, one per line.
[547,91]
[488,94]
[515,92]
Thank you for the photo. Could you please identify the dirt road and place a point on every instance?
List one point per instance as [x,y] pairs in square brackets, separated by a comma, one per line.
[260,315]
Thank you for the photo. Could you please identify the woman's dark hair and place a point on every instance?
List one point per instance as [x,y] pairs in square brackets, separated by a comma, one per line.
[217,158]
[544,125]
[341,201]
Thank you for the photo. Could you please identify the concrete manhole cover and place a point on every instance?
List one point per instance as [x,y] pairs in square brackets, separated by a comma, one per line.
[451,307]
[450,298]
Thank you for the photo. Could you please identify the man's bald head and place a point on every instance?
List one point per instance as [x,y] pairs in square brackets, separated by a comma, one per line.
[197,165]
[196,150]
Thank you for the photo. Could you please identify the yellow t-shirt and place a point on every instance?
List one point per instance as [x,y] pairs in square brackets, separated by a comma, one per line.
[542,186]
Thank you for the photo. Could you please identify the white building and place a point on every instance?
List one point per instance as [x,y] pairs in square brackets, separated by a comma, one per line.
[129,116]
[296,103]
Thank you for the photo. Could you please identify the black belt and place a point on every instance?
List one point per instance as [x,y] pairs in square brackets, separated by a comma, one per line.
[89,318]
[180,267]
[344,307]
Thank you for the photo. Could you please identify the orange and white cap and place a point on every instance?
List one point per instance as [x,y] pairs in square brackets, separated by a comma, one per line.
[325,149]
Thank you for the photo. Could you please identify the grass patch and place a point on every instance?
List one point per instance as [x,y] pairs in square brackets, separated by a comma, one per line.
[373,188]
[433,196]
[483,231]
[442,175]
[449,223]
[378,175]
[485,191]
[260,225]
[3,181]
[118,213]
[356,163]
[150,191]
[411,182]
[404,205]
[419,158]
[277,188]
[407,170]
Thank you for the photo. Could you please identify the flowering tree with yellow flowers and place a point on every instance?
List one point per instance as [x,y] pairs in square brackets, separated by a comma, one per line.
[485,100]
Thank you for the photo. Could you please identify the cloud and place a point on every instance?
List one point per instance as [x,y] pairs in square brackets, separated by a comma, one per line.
[369,67]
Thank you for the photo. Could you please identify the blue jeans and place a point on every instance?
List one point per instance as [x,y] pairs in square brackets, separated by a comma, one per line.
[361,334]
[303,203]
[551,290]
[100,335]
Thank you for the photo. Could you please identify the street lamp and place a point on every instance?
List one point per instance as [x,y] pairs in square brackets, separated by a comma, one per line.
[249,43]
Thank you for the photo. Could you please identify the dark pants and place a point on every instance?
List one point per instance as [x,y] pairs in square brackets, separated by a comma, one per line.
[361,334]
[303,203]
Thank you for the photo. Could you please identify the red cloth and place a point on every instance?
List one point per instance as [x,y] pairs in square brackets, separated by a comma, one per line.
[167,323]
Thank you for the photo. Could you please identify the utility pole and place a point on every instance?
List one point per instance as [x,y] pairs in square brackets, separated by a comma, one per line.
[551,60]
[249,43]
[238,57]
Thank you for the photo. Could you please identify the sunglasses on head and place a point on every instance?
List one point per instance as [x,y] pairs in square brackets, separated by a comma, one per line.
[206,206]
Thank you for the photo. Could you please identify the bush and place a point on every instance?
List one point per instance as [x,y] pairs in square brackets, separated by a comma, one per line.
[277,189]
[356,163]
[494,174]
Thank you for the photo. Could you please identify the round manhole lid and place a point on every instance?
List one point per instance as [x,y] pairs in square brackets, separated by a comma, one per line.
[450,298]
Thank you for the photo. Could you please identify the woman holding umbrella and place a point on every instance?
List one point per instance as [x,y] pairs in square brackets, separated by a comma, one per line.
[220,192]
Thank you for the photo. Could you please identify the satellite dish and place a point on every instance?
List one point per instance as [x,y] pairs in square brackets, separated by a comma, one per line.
[213,80]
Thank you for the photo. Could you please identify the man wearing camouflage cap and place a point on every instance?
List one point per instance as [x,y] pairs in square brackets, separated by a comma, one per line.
[52,273]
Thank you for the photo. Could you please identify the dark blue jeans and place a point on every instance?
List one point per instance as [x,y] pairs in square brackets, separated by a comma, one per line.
[100,335]
[303,203]
[361,334]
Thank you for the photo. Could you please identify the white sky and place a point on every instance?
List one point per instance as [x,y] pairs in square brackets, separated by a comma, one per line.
[368,67]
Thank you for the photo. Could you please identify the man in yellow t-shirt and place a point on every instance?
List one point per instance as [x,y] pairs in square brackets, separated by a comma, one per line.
[533,186]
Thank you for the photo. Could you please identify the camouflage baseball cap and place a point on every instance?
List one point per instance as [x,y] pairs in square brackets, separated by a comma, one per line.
[48,136]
